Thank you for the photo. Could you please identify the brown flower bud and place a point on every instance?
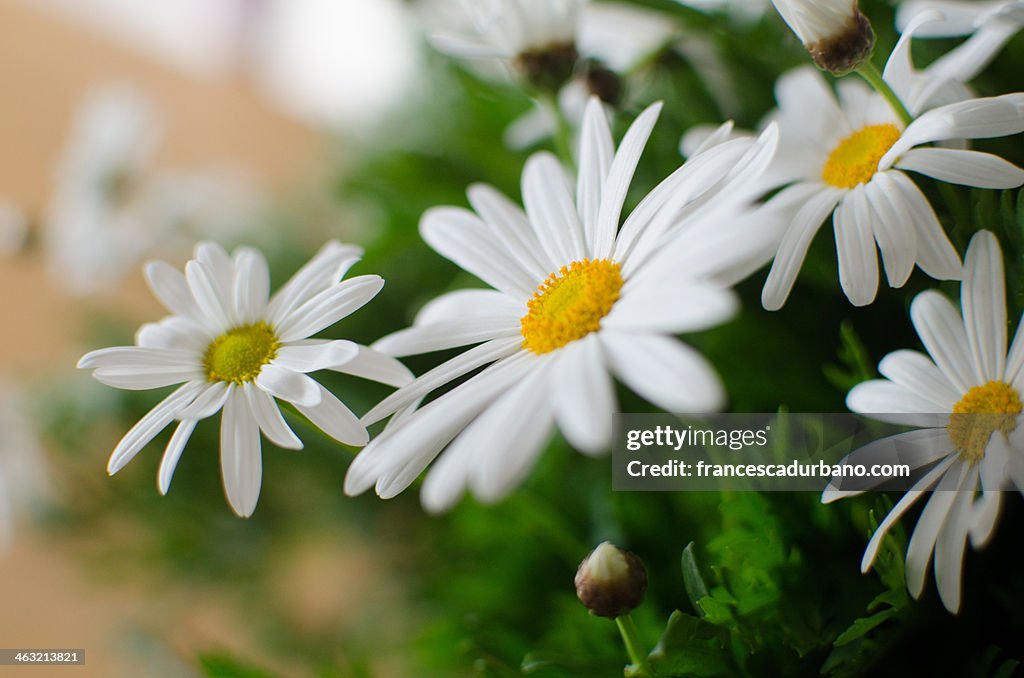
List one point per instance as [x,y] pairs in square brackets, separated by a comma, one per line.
[611,582]
[835,32]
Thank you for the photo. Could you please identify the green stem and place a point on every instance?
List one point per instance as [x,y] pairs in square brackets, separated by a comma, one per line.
[563,132]
[870,72]
[634,646]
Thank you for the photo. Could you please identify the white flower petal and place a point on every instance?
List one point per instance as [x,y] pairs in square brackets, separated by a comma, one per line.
[983,118]
[169,286]
[240,455]
[145,378]
[335,419]
[139,357]
[885,401]
[251,285]
[893,227]
[855,248]
[664,371]
[967,60]
[150,425]
[509,224]
[310,357]
[550,208]
[793,247]
[397,457]
[461,364]
[470,304]
[209,295]
[444,335]
[328,307]
[951,542]
[932,519]
[596,153]
[672,308]
[616,185]
[325,269]
[967,168]
[175,332]
[942,332]
[920,487]
[917,373]
[522,419]
[583,395]
[172,454]
[916,448]
[285,384]
[375,366]
[461,237]
[269,419]
[936,255]
[208,403]
[806,100]
[983,300]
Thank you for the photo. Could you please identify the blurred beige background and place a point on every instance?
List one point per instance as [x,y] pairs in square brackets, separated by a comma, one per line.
[46,600]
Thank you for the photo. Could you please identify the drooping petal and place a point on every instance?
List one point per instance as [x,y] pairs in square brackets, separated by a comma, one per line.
[855,248]
[269,418]
[172,453]
[240,455]
[150,425]
[294,387]
[583,395]
[334,418]
[931,522]
[794,245]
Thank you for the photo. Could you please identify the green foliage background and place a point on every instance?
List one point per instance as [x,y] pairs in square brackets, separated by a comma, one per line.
[489,589]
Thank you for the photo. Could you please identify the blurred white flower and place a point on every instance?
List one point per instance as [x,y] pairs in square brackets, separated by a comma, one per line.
[111,208]
[575,300]
[746,10]
[23,475]
[990,26]
[966,397]
[233,347]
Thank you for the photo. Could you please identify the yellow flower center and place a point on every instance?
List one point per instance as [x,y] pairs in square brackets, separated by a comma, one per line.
[981,412]
[855,160]
[238,355]
[570,304]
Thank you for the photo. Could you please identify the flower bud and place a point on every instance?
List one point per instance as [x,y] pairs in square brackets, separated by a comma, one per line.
[611,582]
[550,67]
[835,32]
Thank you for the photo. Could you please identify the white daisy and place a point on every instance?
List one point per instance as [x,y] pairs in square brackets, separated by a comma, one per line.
[576,299]
[230,347]
[966,393]
[851,157]
[990,26]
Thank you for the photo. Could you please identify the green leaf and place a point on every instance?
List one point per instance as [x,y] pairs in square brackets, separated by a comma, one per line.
[863,626]
[692,580]
[690,646]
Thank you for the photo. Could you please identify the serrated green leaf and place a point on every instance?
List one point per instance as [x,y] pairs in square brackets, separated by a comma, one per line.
[692,579]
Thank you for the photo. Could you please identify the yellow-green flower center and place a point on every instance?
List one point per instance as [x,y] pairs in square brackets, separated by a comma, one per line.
[981,412]
[570,304]
[855,160]
[238,355]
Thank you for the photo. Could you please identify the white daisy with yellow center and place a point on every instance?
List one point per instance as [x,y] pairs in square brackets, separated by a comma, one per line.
[851,157]
[233,347]
[576,299]
[966,394]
